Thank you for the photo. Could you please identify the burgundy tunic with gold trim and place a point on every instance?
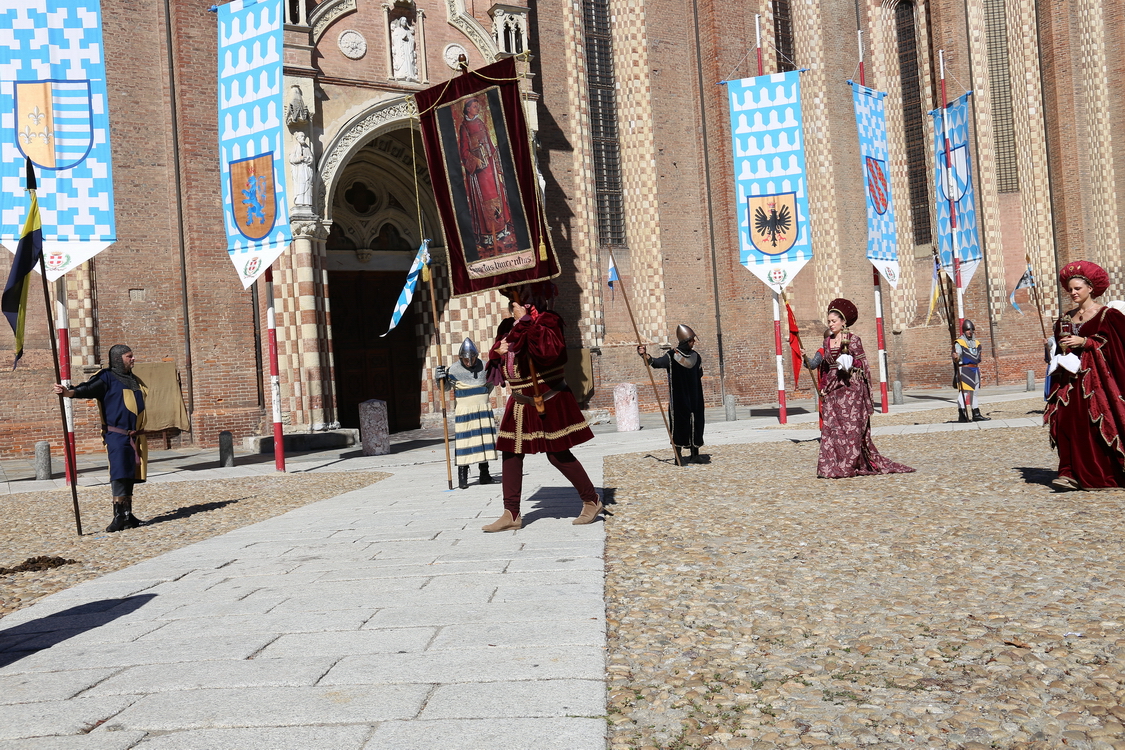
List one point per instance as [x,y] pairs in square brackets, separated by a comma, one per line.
[523,429]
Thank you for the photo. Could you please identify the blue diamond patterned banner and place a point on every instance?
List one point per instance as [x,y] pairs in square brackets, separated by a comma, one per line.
[251,150]
[871,124]
[769,176]
[953,177]
[53,111]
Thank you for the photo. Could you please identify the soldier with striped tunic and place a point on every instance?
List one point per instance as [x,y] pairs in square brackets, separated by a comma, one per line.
[475,426]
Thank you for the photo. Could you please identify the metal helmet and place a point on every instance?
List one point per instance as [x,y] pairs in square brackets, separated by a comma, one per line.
[468,350]
[684,333]
[967,327]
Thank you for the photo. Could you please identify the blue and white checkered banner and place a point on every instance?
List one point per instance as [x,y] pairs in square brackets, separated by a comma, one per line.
[954,181]
[421,260]
[251,150]
[53,110]
[871,124]
[769,176]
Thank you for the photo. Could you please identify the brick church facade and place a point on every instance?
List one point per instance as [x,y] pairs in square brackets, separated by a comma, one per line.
[633,143]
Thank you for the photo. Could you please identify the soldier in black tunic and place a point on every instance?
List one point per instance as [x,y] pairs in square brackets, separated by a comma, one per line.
[685,392]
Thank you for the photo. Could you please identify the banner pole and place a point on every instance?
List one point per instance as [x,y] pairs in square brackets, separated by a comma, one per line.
[651,380]
[949,197]
[275,379]
[62,399]
[879,334]
[63,328]
[782,414]
[428,273]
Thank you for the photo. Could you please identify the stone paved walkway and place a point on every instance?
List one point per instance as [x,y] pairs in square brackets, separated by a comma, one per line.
[381,618]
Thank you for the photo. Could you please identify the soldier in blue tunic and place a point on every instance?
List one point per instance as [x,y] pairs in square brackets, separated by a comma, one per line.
[121,399]
[966,360]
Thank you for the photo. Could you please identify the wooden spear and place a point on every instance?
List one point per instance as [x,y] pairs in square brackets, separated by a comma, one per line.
[651,380]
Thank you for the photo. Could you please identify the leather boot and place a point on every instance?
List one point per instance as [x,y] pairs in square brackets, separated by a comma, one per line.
[590,511]
[694,457]
[131,521]
[963,416]
[463,477]
[504,523]
[680,457]
[485,477]
[118,522]
[978,417]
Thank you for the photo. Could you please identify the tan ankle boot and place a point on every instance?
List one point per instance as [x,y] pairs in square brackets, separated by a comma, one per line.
[590,511]
[504,523]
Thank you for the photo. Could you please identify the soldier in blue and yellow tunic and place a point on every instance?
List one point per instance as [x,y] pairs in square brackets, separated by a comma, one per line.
[966,359]
[475,426]
[121,399]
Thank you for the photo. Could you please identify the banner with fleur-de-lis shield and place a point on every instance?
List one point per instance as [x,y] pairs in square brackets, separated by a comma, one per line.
[54,112]
[251,153]
[769,174]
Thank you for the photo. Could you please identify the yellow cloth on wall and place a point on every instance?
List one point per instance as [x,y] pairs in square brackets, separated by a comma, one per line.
[164,402]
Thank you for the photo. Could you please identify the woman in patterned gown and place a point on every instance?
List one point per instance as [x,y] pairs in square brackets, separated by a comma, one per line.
[846,448]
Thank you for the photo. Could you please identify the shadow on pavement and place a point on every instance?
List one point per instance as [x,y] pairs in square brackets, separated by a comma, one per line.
[190,510]
[552,502]
[1036,475]
[24,640]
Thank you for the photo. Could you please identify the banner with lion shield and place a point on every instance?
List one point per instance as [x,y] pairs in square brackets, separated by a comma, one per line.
[251,147]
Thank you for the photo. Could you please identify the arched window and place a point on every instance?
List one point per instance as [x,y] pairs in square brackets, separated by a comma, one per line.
[1000,86]
[913,119]
[783,36]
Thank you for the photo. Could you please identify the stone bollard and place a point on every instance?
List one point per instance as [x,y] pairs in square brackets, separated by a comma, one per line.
[731,407]
[42,460]
[896,393]
[374,428]
[1031,380]
[626,406]
[226,449]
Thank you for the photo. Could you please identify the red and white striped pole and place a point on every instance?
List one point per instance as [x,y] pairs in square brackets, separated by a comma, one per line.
[782,414]
[62,327]
[948,182]
[877,282]
[275,379]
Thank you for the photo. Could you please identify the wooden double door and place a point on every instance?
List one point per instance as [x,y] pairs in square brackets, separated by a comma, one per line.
[368,366]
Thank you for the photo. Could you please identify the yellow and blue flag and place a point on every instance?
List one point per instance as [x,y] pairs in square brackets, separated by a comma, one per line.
[28,252]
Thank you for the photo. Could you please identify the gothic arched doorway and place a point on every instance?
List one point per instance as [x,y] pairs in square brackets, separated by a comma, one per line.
[372,242]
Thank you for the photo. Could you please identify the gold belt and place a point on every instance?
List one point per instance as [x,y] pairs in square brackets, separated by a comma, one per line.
[545,396]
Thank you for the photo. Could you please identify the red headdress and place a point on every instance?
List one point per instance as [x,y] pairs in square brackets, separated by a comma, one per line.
[1091,273]
[846,310]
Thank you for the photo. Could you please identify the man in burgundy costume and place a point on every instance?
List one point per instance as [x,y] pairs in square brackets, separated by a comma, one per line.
[536,344]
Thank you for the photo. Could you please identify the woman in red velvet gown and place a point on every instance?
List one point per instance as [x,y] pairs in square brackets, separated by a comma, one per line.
[1085,409]
[846,447]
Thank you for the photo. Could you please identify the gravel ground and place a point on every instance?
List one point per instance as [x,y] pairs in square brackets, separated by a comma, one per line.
[177,514]
[751,605]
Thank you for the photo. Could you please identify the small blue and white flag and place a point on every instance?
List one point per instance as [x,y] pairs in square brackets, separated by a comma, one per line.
[422,259]
[612,276]
[1026,281]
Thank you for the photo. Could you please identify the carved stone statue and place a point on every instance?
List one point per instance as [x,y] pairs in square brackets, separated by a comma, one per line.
[403,49]
[301,158]
[296,113]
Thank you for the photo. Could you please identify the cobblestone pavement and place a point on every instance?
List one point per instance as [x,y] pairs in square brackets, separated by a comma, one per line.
[750,605]
[41,524]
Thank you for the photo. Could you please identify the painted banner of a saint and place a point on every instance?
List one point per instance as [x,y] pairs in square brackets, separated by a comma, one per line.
[490,215]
